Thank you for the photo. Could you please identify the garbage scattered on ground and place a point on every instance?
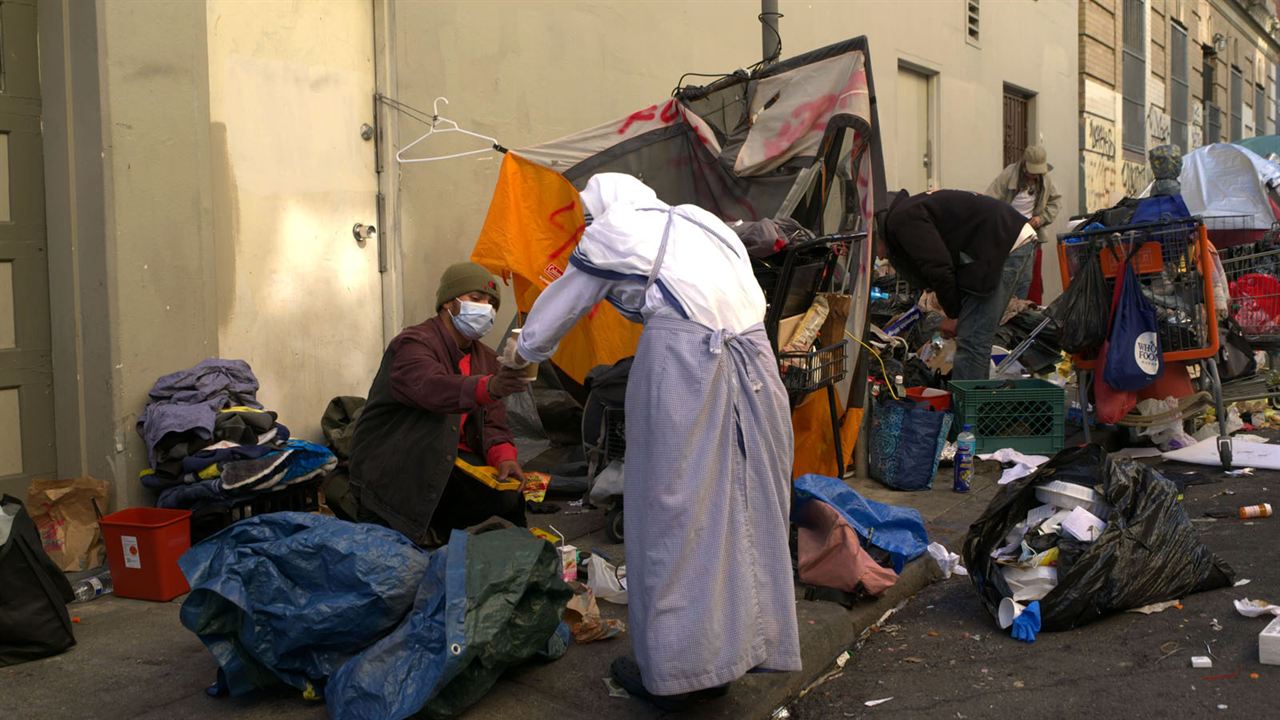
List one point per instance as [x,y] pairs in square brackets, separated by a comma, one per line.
[948,562]
[1201,661]
[93,587]
[1156,607]
[1242,582]
[1256,608]
[1215,625]
[1249,512]
[1125,542]
[841,660]
[881,701]
[583,616]
[1022,465]
[1249,454]
[1269,643]
[1239,472]
[614,689]
[609,583]
[781,713]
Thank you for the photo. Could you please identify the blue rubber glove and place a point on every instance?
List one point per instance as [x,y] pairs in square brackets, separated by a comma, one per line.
[1026,625]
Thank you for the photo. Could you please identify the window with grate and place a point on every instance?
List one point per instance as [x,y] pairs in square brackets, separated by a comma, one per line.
[973,20]
[1134,76]
[1259,110]
[1016,116]
[1212,116]
[1179,87]
[1236,104]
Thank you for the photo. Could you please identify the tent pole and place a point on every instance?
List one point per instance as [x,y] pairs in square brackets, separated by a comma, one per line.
[770,38]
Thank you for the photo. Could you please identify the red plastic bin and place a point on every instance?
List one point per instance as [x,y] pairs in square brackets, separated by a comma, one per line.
[143,547]
[939,399]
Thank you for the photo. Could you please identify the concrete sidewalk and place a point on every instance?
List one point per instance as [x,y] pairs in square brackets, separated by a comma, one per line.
[134,660]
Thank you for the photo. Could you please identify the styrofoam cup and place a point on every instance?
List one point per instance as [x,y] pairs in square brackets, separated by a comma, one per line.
[1009,611]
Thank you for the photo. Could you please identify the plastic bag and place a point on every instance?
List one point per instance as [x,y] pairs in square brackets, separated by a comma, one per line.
[1134,358]
[609,583]
[906,443]
[1149,552]
[1084,311]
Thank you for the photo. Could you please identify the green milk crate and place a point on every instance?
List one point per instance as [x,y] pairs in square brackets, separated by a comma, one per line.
[1025,415]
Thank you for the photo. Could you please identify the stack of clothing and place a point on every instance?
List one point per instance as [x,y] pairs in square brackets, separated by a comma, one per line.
[211,444]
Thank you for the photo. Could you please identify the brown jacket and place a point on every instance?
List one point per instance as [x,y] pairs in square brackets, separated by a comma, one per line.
[1048,200]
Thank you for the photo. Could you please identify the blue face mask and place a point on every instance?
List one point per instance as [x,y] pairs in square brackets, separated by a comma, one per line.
[474,320]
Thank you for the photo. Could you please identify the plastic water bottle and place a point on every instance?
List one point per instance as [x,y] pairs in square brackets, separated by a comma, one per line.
[93,586]
[966,445]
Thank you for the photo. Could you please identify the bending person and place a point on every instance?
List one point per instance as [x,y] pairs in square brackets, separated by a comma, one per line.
[709,441]
[972,251]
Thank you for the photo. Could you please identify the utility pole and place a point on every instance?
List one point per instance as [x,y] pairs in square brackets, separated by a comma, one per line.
[770,38]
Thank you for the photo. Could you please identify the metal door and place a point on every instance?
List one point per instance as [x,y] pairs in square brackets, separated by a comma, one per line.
[26,371]
[913,152]
[1015,127]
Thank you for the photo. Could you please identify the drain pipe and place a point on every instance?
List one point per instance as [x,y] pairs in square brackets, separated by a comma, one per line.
[770,38]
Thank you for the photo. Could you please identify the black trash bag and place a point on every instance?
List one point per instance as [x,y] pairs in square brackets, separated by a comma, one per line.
[1149,552]
[33,593]
[1083,312]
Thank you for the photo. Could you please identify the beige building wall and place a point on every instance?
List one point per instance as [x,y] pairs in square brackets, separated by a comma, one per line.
[158,235]
[1109,171]
[530,72]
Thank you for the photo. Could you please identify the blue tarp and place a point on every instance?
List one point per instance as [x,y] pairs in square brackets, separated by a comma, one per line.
[898,531]
[381,628]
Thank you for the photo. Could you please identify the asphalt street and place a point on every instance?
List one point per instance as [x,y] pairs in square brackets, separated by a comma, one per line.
[942,656]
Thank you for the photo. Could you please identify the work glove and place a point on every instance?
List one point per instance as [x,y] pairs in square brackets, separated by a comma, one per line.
[510,358]
[506,382]
[1027,624]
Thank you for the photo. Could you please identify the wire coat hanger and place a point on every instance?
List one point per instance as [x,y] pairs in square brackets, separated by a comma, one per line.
[437,120]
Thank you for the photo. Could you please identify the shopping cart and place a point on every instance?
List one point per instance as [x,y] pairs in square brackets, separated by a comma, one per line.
[1253,276]
[790,281]
[1174,266]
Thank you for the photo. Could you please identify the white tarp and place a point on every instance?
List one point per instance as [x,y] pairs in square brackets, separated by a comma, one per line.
[1223,180]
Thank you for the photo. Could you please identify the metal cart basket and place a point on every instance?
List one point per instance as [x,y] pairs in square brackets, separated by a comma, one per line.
[1174,266]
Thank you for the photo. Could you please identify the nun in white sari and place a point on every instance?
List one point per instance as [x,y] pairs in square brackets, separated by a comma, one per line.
[709,439]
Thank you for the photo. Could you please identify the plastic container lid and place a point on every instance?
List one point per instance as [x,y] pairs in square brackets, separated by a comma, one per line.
[968,427]
[1068,496]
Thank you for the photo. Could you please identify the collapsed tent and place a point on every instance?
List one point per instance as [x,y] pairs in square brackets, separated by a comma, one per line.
[795,139]
[347,610]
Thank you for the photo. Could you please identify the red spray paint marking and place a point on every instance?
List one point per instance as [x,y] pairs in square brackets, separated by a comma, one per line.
[669,114]
[808,114]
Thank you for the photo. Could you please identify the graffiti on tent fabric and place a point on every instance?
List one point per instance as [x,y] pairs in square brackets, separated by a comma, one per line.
[668,114]
[814,114]
[1099,136]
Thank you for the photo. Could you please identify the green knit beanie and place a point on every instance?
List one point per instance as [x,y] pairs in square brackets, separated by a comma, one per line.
[466,278]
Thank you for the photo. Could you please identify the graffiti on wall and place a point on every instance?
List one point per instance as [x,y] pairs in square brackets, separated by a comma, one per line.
[1099,136]
[1100,181]
[1134,177]
[1157,125]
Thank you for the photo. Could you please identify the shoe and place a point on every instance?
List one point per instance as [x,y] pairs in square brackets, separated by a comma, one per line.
[627,673]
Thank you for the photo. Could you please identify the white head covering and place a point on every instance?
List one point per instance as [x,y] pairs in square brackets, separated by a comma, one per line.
[605,189]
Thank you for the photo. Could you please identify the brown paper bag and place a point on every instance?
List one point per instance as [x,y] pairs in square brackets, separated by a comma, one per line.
[63,513]
[840,308]
[583,616]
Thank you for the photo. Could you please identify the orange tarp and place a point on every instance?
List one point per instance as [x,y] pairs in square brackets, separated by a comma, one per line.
[534,223]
